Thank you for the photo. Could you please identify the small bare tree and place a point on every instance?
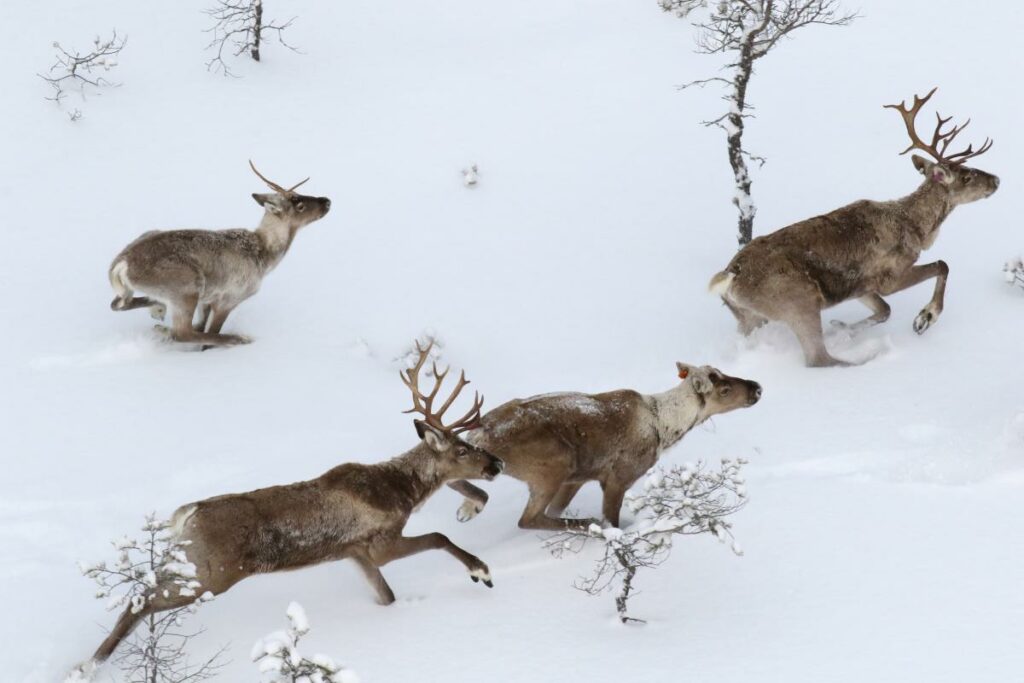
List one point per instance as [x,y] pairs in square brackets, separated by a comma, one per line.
[157,652]
[685,500]
[278,655]
[75,70]
[747,30]
[239,27]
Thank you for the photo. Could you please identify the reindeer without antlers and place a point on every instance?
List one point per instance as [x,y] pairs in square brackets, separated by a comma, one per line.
[556,443]
[352,511]
[862,251]
[211,271]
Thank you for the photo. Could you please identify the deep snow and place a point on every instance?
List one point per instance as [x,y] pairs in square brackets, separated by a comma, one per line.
[882,539]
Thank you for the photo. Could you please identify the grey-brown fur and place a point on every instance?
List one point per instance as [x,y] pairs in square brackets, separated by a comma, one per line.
[209,271]
[558,442]
[353,511]
[863,251]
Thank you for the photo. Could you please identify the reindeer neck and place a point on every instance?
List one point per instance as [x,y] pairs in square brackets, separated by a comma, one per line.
[275,238]
[413,475]
[676,412]
[925,209]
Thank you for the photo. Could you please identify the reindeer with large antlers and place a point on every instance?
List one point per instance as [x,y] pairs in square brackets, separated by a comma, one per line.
[862,251]
[211,271]
[353,511]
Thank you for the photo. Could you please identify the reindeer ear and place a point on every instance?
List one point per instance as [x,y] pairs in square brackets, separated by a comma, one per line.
[431,436]
[268,202]
[931,170]
[697,377]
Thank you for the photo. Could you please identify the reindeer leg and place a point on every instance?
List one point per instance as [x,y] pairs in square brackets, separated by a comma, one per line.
[403,546]
[534,516]
[476,499]
[562,499]
[385,595]
[614,492]
[204,316]
[807,327]
[220,315]
[930,313]
[124,626]
[879,309]
[156,309]
[127,622]
[182,330]
[748,320]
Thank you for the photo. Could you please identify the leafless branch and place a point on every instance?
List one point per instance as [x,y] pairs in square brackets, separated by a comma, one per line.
[74,69]
[239,27]
[680,501]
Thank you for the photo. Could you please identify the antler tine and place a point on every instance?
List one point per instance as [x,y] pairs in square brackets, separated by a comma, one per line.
[969,153]
[274,186]
[411,379]
[293,187]
[471,420]
[424,404]
[908,115]
[940,140]
[455,392]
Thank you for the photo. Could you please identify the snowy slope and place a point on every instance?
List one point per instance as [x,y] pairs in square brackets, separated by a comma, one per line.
[883,538]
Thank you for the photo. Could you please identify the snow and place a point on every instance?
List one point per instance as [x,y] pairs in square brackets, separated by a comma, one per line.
[882,534]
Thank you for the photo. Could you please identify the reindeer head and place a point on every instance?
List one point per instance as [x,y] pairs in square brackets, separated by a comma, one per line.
[457,458]
[296,210]
[963,184]
[720,392]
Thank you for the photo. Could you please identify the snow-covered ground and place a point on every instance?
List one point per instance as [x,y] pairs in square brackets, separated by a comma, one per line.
[883,536]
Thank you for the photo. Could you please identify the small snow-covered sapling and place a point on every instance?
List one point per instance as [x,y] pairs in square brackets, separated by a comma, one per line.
[280,661]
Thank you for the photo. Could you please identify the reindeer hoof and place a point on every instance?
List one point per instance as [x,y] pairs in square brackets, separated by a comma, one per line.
[468,510]
[925,319]
[839,324]
[482,573]
[157,311]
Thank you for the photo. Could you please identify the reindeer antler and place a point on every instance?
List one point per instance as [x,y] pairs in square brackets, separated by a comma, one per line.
[424,404]
[274,186]
[940,140]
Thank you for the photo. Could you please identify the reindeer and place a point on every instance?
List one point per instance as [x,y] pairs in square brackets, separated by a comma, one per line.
[558,442]
[352,511]
[862,251]
[210,270]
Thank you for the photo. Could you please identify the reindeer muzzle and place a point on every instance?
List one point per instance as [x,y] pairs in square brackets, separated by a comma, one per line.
[753,393]
[495,467]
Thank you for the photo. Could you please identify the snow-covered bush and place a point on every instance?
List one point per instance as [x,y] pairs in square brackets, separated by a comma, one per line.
[683,500]
[239,27]
[156,651]
[74,70]
[1013,271]
[470,176]
[278,656]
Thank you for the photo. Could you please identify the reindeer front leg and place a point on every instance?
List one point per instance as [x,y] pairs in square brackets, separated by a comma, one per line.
[930,313]
[397,547]
[476,499]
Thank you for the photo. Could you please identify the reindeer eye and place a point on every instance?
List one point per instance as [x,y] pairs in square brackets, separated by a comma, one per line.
[460,452]
[724,390]
[968,178]
[300,207]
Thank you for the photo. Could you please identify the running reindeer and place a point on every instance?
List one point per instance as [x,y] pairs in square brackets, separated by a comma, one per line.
[862,251]
[210,270]
[352,511]
[558,442]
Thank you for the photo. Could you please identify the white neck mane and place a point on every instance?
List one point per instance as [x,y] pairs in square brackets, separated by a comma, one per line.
[676,412]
